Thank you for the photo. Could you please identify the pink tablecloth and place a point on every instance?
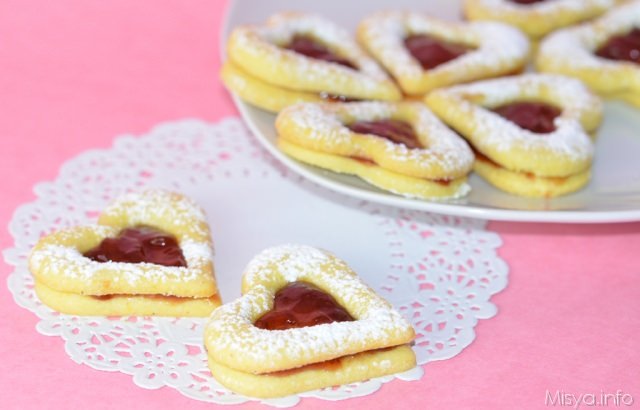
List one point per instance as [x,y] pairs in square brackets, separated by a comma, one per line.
[75,73]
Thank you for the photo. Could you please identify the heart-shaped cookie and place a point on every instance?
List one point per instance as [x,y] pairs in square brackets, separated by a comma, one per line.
[537,18]
[423,53]
[298,57]
[355,336]
[605,53]
[399,147]
[530,132]
[150,253]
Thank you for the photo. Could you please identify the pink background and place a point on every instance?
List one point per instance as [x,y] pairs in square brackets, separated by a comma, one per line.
[75,73]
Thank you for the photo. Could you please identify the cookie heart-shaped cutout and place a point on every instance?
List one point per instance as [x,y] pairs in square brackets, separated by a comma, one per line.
[399,147]
[141,244]
[532,126]
[301,304]
[604,54]
[248,358]
[145,246]
[300,57]
[423,53]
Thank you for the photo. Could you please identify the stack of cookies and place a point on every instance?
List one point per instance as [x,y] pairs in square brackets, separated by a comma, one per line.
[531,134]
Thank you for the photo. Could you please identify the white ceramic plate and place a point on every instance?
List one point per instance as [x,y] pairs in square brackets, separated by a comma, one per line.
[613,194]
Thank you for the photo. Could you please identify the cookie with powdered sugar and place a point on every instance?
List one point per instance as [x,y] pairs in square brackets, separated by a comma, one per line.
[297,57]
[530,132]
[399,147]
[305,321]
[605,53]
[423,52]
[149,254]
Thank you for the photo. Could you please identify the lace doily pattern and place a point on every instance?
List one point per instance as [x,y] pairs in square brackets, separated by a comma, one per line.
[439,271]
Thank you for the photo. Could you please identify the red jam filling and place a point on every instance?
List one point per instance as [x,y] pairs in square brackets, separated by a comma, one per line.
[301,304]
[395,131]
[432,52]
[624,47]
[309,47]
[533,116]
[137,245]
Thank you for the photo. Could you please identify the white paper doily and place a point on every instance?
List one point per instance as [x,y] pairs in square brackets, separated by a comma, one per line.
[439,271]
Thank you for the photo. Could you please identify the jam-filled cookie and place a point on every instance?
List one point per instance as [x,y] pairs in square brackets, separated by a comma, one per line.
[423,53]
[537,18]
[530,132]
[299,57]
[605,54]
[305,321]
[149,254]
[399,147]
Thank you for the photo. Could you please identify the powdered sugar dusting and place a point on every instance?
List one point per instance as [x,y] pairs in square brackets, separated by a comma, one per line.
[444,149]
[57,255]
[156,204]
[574,47]
[282,27]
[498,47]
[266,41]
[69,262]
[572,94]
[569,139]
[323,122]
[291,261]
[231,332]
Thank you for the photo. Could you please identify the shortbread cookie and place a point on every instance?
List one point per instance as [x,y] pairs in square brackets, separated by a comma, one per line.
[530,132]
[124,305]
[298,57]
[605,54]
[537,18]
[150,253]
[423,53]
[305,321]
[399,147]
